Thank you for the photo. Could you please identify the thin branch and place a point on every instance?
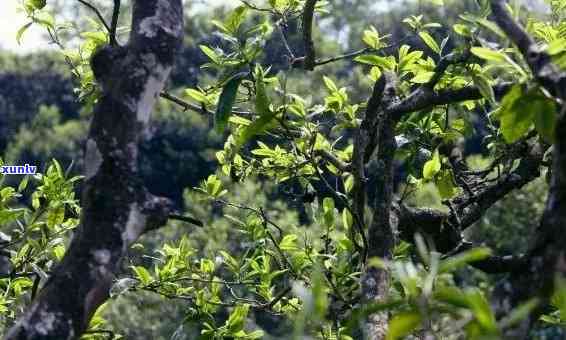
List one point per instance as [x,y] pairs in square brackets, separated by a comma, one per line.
[256,8]
[511,28]
[540,63]
[276,299]
[182,103]
[285,42]
[350,55]
[114,24]
[339,164]
[194,107]
[187,219]
[445,62]
[98,14]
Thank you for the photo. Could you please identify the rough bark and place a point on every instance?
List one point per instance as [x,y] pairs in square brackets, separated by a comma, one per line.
[382,230]
[117,208]
[546,261]
[307,19]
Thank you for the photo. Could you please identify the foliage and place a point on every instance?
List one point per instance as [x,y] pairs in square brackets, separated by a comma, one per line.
[34,234]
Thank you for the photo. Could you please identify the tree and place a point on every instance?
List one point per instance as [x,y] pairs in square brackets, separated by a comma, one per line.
[387,268]
[117,208]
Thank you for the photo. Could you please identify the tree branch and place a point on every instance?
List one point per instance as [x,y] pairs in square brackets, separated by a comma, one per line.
[361,142]
[98,14]
[114,23]
[310,54]
[547,257]
[540,63]
[424,98]
[383,228]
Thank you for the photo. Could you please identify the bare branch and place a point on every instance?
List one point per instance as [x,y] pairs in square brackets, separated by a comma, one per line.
[425,98]
[350,55]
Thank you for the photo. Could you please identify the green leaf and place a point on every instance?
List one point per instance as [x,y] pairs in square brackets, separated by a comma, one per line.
[545,119]
[382,62]
[429,41]
[487,54]
[266,115]
[515,121]
[56,216]
[237,318]
[519,313]
[483,84]
[289,242]
[372,38]
[403,324]
[226,102]
[457,261]
[330,85]
[347,219]
[482,311]
[462,30]
[432,167]
[257,334]
[21,32]
[328,209]
[445,184]
[557,46]
[519,111]
[210,53]
[422,77]
[142,274]
[9,215]
[490,25]
[37,4]
[197,95]
[235,19]
[44,19]
[451,295]
[23,184]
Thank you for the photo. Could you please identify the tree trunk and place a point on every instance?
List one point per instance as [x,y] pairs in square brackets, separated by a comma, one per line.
[382,231]
[117,208]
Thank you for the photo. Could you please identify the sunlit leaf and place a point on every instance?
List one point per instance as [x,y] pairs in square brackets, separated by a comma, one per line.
[226,103]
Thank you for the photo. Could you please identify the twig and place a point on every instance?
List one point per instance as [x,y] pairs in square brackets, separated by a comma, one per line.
[187,219]
[343,56]
[445,62]
[98,14]
[114,24]
[285,42]
[339,164]
[254,7]
[194,107]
